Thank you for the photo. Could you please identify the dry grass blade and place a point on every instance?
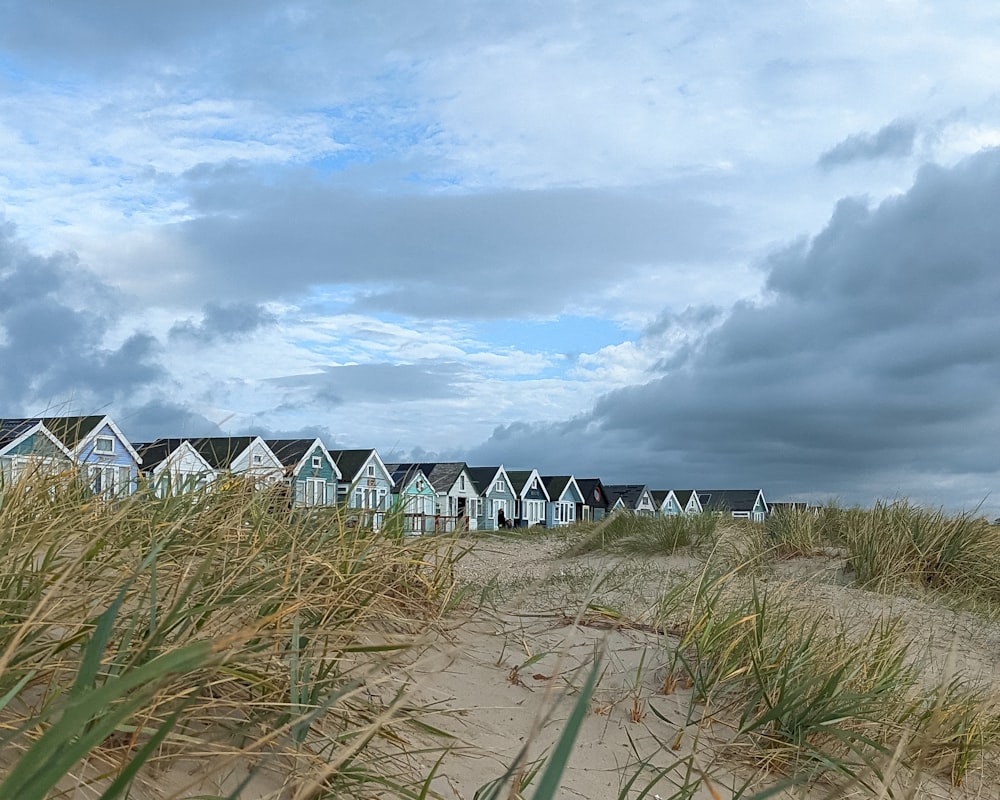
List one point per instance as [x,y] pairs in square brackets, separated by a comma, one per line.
[243,636]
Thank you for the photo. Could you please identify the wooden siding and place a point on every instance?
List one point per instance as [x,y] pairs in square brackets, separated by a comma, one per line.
[417,501]
[180,472]
[114,472]
[494,499]
[369,493]
[34,453]
[308,479]
[562,510]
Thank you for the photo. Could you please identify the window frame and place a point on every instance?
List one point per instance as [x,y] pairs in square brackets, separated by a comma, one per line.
[110,440]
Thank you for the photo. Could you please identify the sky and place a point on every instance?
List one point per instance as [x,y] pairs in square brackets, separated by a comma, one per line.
[689,244]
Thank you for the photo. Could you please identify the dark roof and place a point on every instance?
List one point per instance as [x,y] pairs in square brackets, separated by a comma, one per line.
[71,430]
[220,451]
[481,476]
[401,477]
[153,453]
[350,462]
[659,496]
[290,451]
[683,496]
[402,473]
[555,485]
[443,474]
[12,429]
[518,478]
[729,499]
[587,489]
[628,492]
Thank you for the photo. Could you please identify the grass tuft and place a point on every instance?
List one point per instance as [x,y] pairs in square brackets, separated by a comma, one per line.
[141,634]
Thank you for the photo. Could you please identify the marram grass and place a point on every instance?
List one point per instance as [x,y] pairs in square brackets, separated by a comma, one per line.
[816,704]
[141,636]
[812,697]
[218,646]
[627,533]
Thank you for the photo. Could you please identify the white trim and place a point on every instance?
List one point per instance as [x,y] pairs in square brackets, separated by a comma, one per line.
[97,430]
[325,453]
[530,484]
[315,492]
[172,462]
[109,440]
[39,427]
[363,472]
[252,464]
[489,487]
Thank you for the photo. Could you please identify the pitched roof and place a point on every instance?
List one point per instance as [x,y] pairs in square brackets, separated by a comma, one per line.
[443,474]
[72,430]
[790,505]
[221,451]
[629,493]
[13,429]
[588,486]
[741,500]
[519,478]
[483,476]
[350,462]
[683,496]
[402,474]
[290,451]
[556,484]
[154,453]
[659,496]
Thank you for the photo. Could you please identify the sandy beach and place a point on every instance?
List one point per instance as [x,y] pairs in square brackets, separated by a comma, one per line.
[508,667]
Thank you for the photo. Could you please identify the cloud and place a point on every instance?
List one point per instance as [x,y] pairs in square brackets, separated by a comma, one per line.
[61,351]
[505,253]
[382,383]
[225,321]
[161,418]
[265,431]
[56,316]
[895,140]
[871,369]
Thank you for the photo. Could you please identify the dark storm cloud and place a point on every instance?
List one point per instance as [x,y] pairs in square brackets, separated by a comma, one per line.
[470,255]
[895,140]
[872,369]
[223,321]
[385,383]
[54,317]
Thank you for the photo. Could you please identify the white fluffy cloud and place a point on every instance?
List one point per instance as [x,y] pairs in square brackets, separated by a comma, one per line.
[304,216]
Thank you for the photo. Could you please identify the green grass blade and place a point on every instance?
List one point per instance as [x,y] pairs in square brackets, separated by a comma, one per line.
[17,687]
[121,784]
[556,764]
[86,676]
[96,714]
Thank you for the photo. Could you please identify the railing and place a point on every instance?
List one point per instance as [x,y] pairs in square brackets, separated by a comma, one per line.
[434,523]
